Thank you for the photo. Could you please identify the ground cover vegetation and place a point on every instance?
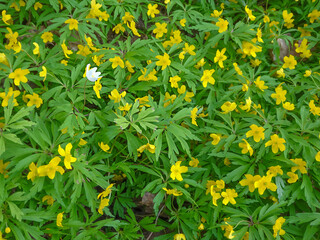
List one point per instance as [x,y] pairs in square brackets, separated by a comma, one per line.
[159,119]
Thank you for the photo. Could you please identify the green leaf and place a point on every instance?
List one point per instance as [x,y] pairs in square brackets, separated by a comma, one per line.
[133,144]
[173,150]
[15,211]
[12,137]
[157,201]
[2,145]
[236,174]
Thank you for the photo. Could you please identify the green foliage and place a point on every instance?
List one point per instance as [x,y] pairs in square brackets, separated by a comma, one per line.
[202,124]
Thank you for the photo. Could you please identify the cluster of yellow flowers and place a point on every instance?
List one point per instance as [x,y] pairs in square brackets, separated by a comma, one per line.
[53,166]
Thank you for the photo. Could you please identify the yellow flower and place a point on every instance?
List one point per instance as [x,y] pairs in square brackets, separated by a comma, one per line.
[7,230]
[104,147]
[277,227]
[82,142]
[304,32]
[215,196]
[194,162]
[73,24]
[314,15]
[33,171]
[220,57]
[116,61]
[207,78]
[7,96]
[249,181]
[174,81]
[280,73]
[118,28]
[289,62]
[151,148]
[49,199]
[4,60]
[161,28]
[164,61]
[64,62]
[188,96]
[274,171]
[150,77]
[34,100]
[288,106]
[176,171]
[97,87]
[37,6]
[229,196]
[132,27]
[250,49]
[170,98]
[3,168]
[277,143]
[36,49]
[68,159]
[255,62]
[115,96]
[183,22]
[47,37]
[200,63]
[189,49]
[152,10]
[256,132]
[179,236]
[266,19]
[287,19]
[216,13]
[201,227]
[301,165]
[127,17]
[220,184]
[65,49]
[307,73]
[106,192]
[59,219]
[194,116]
[228,107]
[303,49]
[43,73]
[260,84]
[259,35]
[238,70]
[19,76]
[16,7]
[6,18]
[173,192]
[293,177]
[313,109]
[249,12]
[245,147]
[223,25]
[126,107]
[228,230]
[247,106]
[280,95]
[265,183]
[317,157]
[83,50]
[215,138]
[104,203]
[51,169]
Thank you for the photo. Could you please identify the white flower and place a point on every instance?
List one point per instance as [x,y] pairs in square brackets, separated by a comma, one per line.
[91,74]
